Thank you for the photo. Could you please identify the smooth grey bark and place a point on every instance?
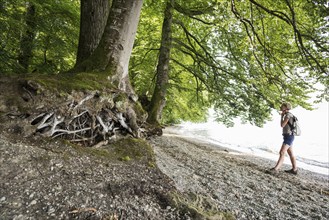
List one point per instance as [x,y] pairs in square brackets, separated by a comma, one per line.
[93,18]
[113,52]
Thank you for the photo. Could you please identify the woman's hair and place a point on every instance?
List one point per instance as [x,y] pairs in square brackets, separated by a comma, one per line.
[287,105]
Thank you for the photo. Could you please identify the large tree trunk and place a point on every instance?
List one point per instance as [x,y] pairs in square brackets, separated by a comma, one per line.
[94,117]
[113,52]
[93,18]
[26,43]
[158,100]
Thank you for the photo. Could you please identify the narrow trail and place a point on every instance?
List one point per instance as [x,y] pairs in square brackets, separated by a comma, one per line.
[238,183]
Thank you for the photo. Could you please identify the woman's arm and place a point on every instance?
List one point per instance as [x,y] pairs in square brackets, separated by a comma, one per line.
[284,120]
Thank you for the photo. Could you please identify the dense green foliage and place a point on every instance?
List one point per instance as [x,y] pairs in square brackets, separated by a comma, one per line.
[56,35]
[243,58]
[184,101]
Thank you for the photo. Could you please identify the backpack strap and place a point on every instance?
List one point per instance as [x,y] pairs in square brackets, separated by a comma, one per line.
[291,125]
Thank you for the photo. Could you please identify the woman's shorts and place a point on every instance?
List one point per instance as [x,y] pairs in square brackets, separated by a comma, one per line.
[288,139]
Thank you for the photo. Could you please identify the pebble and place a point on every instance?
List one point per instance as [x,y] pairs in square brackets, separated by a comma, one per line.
[50,210]
[16,204]
[19,217]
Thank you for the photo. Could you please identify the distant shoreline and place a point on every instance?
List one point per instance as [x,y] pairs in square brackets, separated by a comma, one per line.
[304,163]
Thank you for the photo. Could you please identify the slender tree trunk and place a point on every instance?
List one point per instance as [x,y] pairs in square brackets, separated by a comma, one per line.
[26,43]
[113,52]
[93,18]
[158,100]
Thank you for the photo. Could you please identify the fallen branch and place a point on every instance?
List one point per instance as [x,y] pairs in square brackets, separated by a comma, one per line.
[100,144]
[83,210]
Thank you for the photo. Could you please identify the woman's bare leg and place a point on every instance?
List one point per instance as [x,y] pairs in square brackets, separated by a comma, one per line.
[283,151]
[292,158]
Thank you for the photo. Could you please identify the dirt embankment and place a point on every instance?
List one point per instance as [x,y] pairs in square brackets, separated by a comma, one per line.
[56,181]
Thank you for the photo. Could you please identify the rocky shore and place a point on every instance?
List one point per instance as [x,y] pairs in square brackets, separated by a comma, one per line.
[182,179]
[52,180]
[238,183]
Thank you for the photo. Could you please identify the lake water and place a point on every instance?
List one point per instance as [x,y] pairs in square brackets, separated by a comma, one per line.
[311,148]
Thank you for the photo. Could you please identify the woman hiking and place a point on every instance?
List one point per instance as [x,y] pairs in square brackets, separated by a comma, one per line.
[288,139]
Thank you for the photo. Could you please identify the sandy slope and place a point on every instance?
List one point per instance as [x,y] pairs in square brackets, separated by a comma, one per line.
[238,183]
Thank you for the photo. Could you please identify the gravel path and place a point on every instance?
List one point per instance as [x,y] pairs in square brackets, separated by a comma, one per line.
[238,183]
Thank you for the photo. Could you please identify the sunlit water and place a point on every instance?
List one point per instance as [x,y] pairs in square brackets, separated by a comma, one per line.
[311,148]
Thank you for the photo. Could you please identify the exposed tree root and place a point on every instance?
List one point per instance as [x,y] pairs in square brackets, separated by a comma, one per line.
[90,118]
[79,121]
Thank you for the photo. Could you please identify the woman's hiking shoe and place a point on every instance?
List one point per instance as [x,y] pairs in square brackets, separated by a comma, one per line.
[291,171]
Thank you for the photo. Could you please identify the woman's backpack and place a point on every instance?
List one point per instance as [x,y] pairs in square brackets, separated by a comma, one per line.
[294,126]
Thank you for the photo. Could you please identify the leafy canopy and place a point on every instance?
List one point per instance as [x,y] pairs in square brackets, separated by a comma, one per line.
[242,57]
